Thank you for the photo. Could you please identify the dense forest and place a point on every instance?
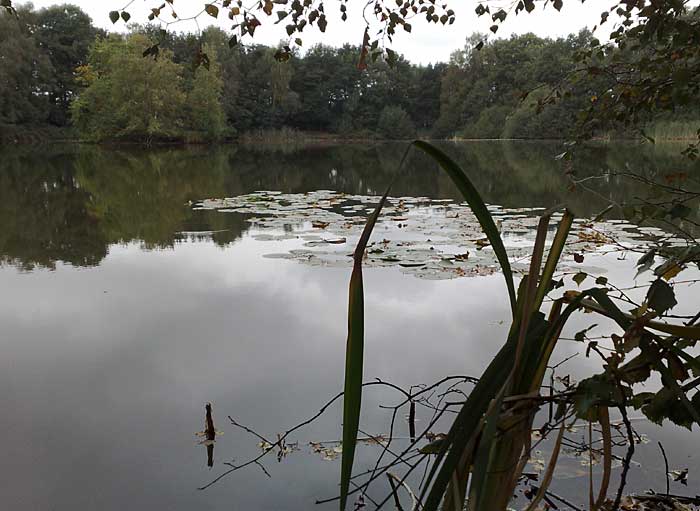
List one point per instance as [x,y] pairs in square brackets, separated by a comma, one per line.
[60,71]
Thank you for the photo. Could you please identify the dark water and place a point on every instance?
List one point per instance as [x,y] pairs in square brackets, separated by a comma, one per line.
[116,328]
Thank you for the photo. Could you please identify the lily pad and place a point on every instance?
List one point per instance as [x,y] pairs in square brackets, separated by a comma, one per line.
[430,239]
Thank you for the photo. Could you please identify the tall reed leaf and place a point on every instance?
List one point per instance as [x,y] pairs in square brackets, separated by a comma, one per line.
[354,357]
[555,252]
[476,203]
[470,418]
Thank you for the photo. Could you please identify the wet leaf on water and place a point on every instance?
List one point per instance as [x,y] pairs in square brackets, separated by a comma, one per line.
[335,241]
[595,237]
[265,446]
[327,452]
[481,243]
[434,446]
[680,476]
[373,440]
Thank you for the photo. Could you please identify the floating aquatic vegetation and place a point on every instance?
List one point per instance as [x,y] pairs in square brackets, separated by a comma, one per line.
[264,445]
[430,239]
[680,476]
[328,453]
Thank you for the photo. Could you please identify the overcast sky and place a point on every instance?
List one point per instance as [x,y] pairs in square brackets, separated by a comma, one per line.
[427,43]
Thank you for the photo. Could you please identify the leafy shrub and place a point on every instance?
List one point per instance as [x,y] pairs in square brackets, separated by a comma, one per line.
[129,97]
[395,123]
[489,124]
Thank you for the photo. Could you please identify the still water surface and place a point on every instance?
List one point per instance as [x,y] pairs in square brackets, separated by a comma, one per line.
[116,328]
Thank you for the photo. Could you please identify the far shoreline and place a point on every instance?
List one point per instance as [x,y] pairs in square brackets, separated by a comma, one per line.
[51,135]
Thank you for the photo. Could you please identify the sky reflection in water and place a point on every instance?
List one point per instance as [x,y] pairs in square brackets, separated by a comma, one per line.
[115,332]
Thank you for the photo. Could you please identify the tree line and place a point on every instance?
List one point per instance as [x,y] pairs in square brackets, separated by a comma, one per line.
[150,85]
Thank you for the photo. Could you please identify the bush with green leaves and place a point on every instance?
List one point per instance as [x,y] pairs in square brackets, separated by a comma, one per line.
[130,97]
[489,124]
[395,124]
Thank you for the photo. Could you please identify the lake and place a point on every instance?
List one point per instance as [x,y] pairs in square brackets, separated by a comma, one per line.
[126,307]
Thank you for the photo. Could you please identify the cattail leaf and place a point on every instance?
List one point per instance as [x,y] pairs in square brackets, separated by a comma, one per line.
[476,203]
[354,358]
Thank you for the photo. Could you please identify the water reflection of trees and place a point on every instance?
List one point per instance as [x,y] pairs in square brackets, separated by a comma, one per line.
[71,203]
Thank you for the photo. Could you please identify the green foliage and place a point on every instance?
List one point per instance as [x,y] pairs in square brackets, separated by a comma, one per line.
[323,91]
[666,405]
[521,87]
[644,69]
[489,123]
[660,296]
[395,124]
[129,97]
[485,90]
[69,203]
[39,51]
[597,390]
[64,33]
[229,61]
[24,70]
[552,121]
[651,51]
[204,115]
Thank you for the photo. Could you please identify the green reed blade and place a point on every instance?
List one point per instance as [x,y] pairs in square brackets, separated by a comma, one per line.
[354,357]
[476,203]
[555,252]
